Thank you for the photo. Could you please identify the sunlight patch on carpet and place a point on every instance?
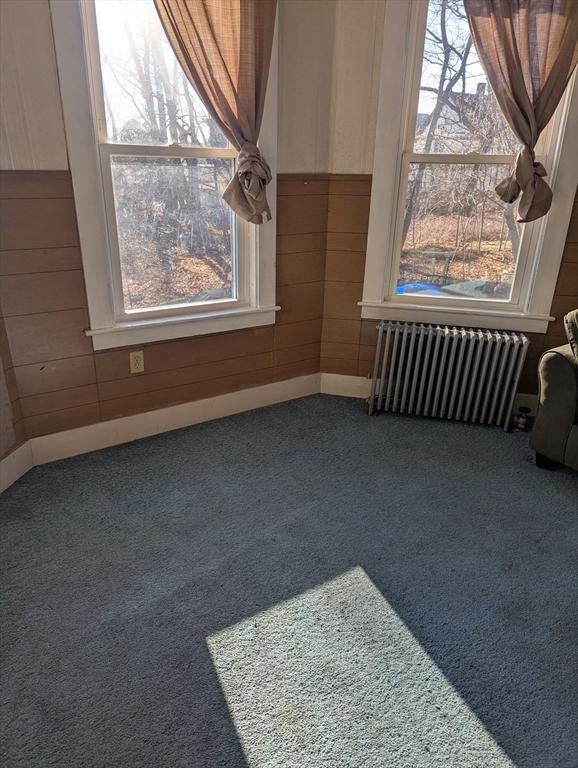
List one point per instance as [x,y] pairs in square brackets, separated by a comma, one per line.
[334,679]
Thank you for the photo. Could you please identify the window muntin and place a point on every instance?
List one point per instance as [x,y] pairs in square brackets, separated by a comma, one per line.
[455,239]
[174,243]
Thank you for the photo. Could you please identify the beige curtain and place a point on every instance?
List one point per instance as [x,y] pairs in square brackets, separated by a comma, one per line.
[528,49]
[224,47]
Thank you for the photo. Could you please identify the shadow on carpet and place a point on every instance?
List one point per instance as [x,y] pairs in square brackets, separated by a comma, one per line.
[296,587]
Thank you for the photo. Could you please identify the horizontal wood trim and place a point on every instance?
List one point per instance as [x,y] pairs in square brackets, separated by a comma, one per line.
[124,406]
[297,268]
[59,400]
[301,214]
[570,253]
[55,375]
[298,368]
[345,266]
[310,243]
[343,351]
[349,186]
[42,292]
[150,382]
[48,336]
[297,334]
[58,421]
[341,300]
[283,357]
[341,331]
[561,305]
[324,177]
[347,241]
[300,302]
[40,260]
[37,223]
[348,213]
[368,332]
[567,284]
[28,184]
[172,355]
[338,365]
[367,352]
[304,186]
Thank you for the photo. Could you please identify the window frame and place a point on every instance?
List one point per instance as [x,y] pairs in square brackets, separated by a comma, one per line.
[534,282]
[111,325]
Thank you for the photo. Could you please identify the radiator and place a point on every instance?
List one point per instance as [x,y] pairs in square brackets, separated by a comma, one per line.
[464,374]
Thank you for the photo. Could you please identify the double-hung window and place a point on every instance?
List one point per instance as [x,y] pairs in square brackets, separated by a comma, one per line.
[442,245]
[163,254]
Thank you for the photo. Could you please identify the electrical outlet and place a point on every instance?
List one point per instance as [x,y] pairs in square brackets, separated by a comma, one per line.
[137,361]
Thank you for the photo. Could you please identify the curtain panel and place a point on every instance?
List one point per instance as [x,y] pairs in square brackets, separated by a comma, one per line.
[528,49]
[224,48]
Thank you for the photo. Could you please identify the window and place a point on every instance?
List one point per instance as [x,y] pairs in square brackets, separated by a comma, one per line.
[451,249]
[164,255]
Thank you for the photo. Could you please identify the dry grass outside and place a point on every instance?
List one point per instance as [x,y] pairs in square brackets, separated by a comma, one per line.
[447,249]
[153,285]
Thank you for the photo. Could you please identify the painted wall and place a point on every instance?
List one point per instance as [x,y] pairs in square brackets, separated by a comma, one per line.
[31,122]
[329,56]
[329,60]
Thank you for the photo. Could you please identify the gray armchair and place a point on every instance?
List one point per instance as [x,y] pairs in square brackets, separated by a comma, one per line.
[555,433]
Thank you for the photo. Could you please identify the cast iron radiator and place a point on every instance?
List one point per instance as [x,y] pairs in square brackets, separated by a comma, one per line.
[464,374]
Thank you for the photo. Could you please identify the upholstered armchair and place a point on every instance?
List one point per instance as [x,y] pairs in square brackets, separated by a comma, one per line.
[555,433]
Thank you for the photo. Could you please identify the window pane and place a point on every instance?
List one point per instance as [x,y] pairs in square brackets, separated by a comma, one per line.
[459,238]
[148,99]
[175,231]
[457,111]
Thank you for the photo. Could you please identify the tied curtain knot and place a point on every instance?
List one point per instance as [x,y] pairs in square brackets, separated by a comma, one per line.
[527,178]
[246,190]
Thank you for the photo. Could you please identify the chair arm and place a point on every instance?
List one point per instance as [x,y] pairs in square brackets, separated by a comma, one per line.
[558,402]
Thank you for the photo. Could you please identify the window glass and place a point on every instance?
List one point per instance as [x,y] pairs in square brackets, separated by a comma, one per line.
[459,234]
[147,97]
[457,237]
[457,111]
[175,232]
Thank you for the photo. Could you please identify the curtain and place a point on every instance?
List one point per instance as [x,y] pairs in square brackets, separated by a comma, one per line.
[528,49]
[224,48]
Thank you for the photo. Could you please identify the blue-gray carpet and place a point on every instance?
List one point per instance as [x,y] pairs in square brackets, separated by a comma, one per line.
[297,587]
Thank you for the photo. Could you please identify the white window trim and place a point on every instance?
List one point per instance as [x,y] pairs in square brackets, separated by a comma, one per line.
[106,330]
[543,241]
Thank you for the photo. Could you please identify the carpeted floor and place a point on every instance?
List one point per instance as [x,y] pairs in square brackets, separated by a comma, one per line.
[297,587]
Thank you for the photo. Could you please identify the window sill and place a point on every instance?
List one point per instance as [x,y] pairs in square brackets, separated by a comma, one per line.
[125,334]
[460,316]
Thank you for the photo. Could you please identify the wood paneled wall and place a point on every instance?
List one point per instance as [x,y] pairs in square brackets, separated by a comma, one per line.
[58,382]
[63,384]
[348,343]
[11,425]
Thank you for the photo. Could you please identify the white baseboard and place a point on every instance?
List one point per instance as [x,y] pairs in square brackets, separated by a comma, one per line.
[15,465]
[72,442]
[346,386]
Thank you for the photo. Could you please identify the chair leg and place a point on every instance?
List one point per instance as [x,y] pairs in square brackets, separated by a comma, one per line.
[543,462]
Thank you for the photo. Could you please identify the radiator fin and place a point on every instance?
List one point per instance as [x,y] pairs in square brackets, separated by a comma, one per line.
[443,372]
